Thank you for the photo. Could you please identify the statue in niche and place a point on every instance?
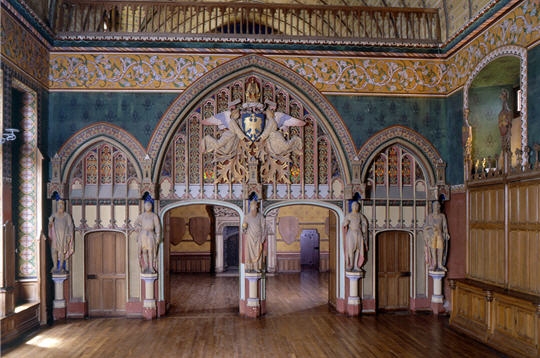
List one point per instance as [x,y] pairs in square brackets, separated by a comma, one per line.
[505,121]
[61,234]
[254,228]
[149,232]
[252,131]
[355,226]
[436,236]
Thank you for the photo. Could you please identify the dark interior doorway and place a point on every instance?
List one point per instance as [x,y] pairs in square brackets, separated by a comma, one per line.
[309,250]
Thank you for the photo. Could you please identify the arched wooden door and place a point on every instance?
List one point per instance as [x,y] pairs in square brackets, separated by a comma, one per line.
[106,273]
[393,271]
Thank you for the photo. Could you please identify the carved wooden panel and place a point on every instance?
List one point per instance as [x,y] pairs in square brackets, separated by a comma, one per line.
[486,246]
[524,237]
[515,326]
[288,262]
[470,310]
[190,262]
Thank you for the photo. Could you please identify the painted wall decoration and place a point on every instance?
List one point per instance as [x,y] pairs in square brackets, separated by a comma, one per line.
[23,48]
[329,74]
[137,113]
[188,171]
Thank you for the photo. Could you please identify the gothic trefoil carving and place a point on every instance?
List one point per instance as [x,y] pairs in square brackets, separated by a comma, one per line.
[251,131]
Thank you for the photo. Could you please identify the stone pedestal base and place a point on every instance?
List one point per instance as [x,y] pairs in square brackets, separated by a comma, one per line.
[59,303]
[149,302]
[437,298]
[255,295]
[354,302]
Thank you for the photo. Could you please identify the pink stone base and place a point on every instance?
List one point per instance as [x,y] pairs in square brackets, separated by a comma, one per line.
[354,310]
[59,313]
[341,305]
[77,309]
[369,305]
[161,308]
[437,308]
[149,313]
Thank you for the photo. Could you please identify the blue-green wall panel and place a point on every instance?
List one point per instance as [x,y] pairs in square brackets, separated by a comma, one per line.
[533,96]
[137,113]
[437,119]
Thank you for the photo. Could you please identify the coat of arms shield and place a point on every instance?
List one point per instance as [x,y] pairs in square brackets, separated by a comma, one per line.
[253,125]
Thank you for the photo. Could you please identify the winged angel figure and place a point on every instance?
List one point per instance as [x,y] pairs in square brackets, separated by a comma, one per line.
[234,147]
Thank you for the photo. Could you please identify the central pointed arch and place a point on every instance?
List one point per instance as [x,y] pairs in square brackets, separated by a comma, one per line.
[322,110]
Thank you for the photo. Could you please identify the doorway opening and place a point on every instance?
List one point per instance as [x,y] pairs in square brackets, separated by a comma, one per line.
[231,244]
[309,250]
[201,243]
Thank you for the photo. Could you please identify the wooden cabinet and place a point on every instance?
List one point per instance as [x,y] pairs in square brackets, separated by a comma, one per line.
[506,320]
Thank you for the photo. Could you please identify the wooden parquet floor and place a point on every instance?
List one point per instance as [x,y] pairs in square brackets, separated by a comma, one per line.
[203,322]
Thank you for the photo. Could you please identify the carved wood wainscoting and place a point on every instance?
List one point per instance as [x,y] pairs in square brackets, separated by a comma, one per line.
[18,324]
[506,320]
[288,262]
[190,262]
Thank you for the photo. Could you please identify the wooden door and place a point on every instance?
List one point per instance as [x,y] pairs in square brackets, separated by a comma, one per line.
[106,273]
[393,270]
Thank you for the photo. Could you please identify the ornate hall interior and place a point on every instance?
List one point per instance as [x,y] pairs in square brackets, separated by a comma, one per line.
[275,178]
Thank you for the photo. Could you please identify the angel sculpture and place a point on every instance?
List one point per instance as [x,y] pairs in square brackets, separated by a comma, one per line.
[235,144]
[226,146]
[275,143]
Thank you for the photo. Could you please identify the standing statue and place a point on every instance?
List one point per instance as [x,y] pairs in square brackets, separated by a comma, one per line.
[149,228]
[505,121]
[61,235]
[254,228]
[356,244]
[436,236]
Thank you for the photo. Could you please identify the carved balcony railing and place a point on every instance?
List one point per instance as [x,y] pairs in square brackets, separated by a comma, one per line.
[243,22]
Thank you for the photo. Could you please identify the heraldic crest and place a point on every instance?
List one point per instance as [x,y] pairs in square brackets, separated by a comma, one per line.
[248,131]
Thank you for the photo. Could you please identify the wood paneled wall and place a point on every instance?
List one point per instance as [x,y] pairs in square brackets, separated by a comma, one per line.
[499,301]
[190,262]
[524,237]
[486,247]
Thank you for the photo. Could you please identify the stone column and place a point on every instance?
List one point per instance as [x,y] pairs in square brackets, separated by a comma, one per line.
[219,264]
[149,301]
[437,298]
[59,303]
[354,301]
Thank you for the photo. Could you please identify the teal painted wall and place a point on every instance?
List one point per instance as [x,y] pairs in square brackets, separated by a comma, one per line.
[485,105]
[533,96]
[137,113]
[439,120]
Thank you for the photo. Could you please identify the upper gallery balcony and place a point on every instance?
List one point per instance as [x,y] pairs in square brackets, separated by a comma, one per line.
[255,23]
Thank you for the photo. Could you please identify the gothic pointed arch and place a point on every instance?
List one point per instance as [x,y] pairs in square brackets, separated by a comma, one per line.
[417,144]
[308,97]
[115,155]
[512,51]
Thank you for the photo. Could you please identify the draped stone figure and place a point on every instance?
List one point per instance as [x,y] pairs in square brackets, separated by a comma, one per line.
[356,245]
[436,236]
[61,234]
[255,232]
[149,232]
